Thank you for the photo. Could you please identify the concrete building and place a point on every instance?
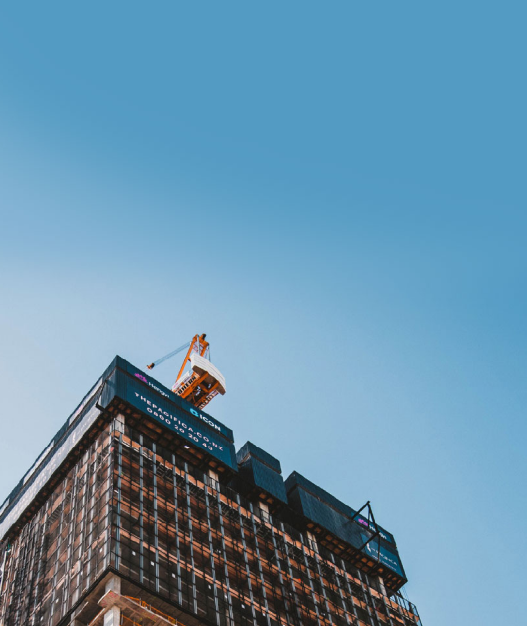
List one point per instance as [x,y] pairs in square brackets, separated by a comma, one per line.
[140,512]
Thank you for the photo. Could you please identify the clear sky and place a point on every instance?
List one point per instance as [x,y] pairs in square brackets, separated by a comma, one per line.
[335,193]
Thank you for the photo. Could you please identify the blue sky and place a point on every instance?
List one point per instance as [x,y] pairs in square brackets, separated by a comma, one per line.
[335,193]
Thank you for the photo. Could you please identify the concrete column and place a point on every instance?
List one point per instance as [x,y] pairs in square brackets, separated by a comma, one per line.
[119,423]
[113,584]
[112,617]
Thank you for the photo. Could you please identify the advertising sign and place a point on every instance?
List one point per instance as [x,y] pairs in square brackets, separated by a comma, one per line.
[182,404]
[383,533]
[387,557]
[188,425]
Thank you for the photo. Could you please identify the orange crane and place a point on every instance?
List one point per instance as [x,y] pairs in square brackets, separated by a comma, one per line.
[202,381]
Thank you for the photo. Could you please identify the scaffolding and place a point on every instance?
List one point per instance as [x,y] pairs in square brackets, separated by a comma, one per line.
[64,547]
[184,545]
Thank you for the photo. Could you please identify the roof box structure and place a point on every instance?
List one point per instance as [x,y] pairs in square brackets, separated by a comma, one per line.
[350,533]
[263,471]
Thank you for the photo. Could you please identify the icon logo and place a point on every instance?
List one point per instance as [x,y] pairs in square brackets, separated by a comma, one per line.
[141,377]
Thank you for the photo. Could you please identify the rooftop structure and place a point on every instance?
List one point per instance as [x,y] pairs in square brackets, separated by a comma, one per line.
[140,511]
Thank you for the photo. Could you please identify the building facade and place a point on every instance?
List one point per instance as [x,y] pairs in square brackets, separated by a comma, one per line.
[140,512]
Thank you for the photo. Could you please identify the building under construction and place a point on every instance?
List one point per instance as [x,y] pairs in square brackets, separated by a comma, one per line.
[141,512]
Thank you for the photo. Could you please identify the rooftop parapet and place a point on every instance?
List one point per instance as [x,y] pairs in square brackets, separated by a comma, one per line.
[259,468]
[352,534]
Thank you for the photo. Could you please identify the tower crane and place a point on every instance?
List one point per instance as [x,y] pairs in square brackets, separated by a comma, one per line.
[201,381]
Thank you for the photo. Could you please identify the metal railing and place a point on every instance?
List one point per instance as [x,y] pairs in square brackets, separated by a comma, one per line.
[149,607]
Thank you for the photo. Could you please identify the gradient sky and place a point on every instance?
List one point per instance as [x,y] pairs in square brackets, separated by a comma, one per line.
[335,193]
